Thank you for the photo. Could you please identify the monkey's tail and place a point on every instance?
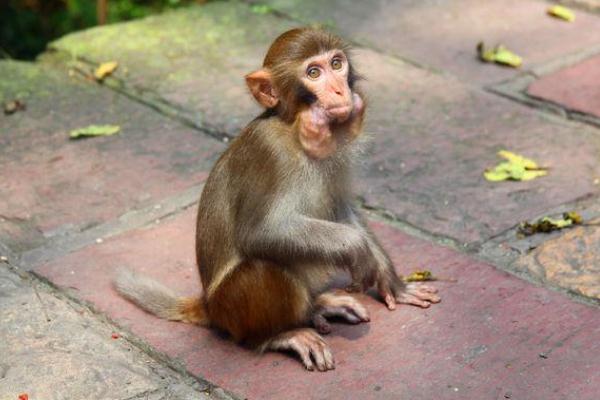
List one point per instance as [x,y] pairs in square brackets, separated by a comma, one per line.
[159,300]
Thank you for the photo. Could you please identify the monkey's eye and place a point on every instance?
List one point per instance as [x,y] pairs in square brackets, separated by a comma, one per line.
[313,72]
[336,63]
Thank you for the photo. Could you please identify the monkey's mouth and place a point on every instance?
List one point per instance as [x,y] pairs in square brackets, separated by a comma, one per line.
[339,113]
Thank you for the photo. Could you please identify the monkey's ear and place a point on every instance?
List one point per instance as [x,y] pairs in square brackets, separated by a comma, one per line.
[260,84]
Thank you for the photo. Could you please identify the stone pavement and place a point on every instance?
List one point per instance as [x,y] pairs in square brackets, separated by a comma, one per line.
[521,321]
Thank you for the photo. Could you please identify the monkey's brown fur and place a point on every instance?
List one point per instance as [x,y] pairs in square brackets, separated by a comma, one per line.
[276,218]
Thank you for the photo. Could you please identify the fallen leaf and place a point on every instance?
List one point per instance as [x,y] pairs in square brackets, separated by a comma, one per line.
[23,396]
[499,54]
[419,276]
[562,13]
[11,107]
[105,69]
[95,130]
[261,9]
[515,158]
[516,168]
[423,276]
[547,224]
[573,216]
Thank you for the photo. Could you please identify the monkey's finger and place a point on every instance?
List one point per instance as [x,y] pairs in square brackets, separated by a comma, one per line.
[329,361]
[348,315]
[304,354]
[359,311]
[423,294]
[422,288]
[317,351]
[388,298]
[431,297]
[321,324]
[405,298]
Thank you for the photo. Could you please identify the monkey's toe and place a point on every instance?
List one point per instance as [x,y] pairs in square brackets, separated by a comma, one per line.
[309,345]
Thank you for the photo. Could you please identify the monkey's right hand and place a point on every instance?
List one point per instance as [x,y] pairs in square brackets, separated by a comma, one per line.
[394,291]
[363,272]
[315,134]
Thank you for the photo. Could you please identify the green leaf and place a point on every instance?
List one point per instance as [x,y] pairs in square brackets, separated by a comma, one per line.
[95,130]
[547,224]
[516,168]
[499,54]
[515,158]
[261,9]
[504,56]
[495,175]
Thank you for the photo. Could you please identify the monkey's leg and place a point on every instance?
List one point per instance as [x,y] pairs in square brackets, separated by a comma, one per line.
[336,304]
[261,304]
[308,344]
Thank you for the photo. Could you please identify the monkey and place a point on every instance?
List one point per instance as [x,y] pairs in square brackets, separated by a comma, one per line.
[276,217]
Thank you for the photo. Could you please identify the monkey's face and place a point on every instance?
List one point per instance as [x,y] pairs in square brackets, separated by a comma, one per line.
[326,77]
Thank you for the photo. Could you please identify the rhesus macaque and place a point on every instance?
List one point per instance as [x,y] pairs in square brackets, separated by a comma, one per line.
[276,217]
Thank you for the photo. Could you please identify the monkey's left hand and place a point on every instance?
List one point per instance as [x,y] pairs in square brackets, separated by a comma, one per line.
[394,291]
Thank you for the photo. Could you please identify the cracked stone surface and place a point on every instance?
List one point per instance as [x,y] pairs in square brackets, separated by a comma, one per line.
[54,349]
[443,35]
[59,186]
[432,135]
[74,211]
[570,260]
[482,341]
[195,58]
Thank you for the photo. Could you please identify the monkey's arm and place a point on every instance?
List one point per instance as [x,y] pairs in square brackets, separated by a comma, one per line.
[390,286]
[304,239]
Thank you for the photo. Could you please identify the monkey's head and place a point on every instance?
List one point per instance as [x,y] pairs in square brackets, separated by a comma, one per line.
[305,66]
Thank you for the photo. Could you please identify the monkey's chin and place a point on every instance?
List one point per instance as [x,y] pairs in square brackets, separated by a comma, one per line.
[339,114]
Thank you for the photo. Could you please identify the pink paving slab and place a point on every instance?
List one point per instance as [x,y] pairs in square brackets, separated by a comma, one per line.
[482,342]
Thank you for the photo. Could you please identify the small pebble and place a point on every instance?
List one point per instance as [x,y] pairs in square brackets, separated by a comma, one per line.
[3,258]
[99,240]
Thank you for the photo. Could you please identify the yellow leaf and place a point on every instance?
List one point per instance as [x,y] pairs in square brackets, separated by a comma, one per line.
[562,13]
[516,168]
[493,175]
[507,57]
[95,130]
[105,69]
[573,216]
[515,158]
[529,175]
[498,54]
[419,276]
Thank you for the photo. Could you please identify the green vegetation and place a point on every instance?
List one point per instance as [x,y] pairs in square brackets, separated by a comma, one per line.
[26,26]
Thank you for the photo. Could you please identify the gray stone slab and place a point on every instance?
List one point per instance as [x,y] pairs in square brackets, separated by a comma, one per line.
[52,186]
[443,34]
[55,349]
[194,58]
[433,137]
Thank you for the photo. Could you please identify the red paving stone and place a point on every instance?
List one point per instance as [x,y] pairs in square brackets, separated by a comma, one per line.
[57,185]
[482,342]
[576,88]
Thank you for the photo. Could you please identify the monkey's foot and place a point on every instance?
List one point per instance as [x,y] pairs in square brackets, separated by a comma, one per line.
[337,305]
[416,294]
[308,344]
